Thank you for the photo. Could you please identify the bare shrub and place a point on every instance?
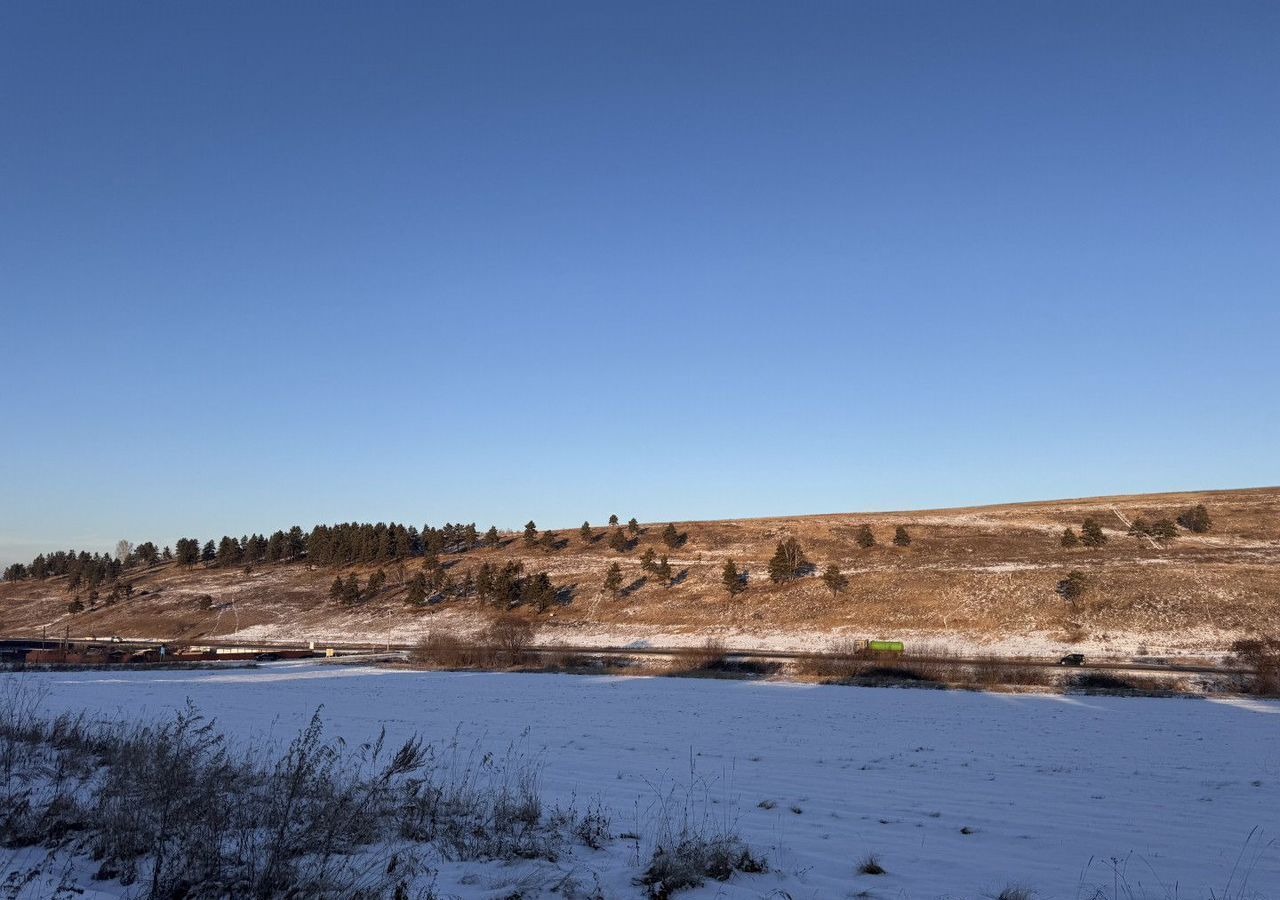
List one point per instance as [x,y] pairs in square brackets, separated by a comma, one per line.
[445,650]
[170,808]
[870,865]
[1014,892]
[1263,656]
[994,671]
[843,659]
[691,861]
[708,656]
[695,838]
[510,637]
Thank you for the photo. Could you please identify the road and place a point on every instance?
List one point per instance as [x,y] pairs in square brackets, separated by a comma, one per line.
[743,654]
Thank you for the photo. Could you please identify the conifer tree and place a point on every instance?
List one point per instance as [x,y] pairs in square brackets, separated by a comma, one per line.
[338,589]
[835,580]
[662,571]
[633,527]
[530,534]
[1069,538]
[1072,587]
[351,591]
[732,579]
[585,532]
[376,582]
[491,538]
[1164,529]
[1091,534]
[613,579]
[788,561]
[613,519]
[648,560]
[670,536]
[1195,519]
[901,538]
[865,538]
[618,540]
[209,553]
[417,589]
[548,541]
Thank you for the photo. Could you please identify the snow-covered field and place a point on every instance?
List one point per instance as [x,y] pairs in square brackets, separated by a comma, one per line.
[958,794]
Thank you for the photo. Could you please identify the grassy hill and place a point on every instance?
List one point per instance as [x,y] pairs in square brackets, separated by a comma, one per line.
[981,576]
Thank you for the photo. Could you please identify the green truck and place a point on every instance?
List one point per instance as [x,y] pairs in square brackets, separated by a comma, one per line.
[884,646]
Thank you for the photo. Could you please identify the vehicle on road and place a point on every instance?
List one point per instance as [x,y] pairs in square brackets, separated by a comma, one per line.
[1072,659]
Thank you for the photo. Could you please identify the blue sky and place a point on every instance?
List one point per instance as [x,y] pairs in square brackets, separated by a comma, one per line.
[265,264]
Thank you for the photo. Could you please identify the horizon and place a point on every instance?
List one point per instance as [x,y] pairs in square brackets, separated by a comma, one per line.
[491,262]
[108,547]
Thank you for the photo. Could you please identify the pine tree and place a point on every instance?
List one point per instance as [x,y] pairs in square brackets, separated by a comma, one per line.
[491,538]
[835,580]
[901,538]
[732,579]
[530,534]
[613,519]
[417,590]
[376,581]
[1091,534]
[648,560]
[351,591]
[1069,538]
[662,571]
[779,568]
[865,538]
[484,581]
[188,551]
[539,591]
[337,590]
[585,533]
[633,527]
[618,540]
[209,553]
[1140,528]
[549,542]
[1195,519]
[613,579]
[1072,587]
[670,536]
[1164,529]
[788,561]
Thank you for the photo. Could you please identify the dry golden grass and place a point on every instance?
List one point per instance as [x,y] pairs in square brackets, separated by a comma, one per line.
[979,571]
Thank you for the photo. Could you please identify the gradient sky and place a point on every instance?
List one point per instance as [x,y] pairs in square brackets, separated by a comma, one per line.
[265,264]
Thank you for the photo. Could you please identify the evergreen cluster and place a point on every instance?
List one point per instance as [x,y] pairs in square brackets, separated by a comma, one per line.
[84,568]
[734,582]
[1091,534]
[1196,519]
[1161,529]
[788,562]
[658,567]
[835,580]
[507,586]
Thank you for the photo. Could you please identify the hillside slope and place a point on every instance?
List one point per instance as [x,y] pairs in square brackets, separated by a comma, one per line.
[977,577]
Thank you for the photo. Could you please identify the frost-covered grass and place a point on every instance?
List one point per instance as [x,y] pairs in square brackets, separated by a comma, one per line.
[956,795]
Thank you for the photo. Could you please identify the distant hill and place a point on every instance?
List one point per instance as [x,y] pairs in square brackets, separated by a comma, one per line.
[975,577]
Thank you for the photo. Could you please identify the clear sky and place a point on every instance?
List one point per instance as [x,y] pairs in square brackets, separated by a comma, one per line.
[267,263]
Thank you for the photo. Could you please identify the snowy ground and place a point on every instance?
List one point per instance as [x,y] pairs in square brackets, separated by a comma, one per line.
[1064,795]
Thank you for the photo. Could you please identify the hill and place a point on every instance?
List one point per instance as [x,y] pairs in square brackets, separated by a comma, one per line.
[981,577]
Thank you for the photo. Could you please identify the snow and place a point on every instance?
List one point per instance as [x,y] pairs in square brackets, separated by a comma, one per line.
[1060,793]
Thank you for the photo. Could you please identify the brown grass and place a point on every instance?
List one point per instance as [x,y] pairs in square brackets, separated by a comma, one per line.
[982,571]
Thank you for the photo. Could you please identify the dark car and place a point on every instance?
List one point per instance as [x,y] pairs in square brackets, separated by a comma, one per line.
[1072,659]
